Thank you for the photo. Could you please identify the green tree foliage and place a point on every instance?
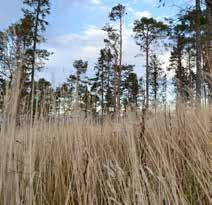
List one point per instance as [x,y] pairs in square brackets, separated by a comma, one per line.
[15,42]
[38,10]
[156,74]
[80,67]
[103,80]
[132,87]
[64,98]
[44,94]
[147,32]
[184,55]
[117,14]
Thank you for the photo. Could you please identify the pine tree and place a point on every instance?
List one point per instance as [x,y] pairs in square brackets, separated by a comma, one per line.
[80,67]
[176,64]
[118,12]
[155,79]
[111,43]
[38,10]
[64,98]
[44,93]
[147,32]
[132,87]
[15,57]
[102,80]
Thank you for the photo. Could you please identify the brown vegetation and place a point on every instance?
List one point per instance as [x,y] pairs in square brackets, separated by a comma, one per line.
[83,162]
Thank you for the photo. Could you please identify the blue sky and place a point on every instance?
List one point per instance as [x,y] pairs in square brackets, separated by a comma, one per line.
[75,31]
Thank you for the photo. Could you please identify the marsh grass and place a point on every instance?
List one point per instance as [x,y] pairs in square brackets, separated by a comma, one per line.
[82,162]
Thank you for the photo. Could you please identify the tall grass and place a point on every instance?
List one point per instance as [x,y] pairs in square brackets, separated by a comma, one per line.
[82,162]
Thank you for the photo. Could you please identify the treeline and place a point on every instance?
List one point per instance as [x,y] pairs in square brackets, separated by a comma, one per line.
[115,87]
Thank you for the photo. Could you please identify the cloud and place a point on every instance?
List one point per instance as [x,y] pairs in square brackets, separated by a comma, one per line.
[140,14]
[71,2]
[96,1]
[145,1]
[86,46]
[70,47]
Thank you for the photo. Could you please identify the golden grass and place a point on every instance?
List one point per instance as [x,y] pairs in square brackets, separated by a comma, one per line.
[81,162]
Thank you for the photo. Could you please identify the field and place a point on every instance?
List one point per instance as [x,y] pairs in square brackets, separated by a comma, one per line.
[164,160]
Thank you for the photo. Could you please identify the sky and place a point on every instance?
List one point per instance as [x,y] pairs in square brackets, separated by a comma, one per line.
[75,32]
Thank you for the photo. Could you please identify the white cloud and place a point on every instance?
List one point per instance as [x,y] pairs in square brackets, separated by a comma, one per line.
[86,46]
[96,1]
[140,14]
[70,47]
[145,1]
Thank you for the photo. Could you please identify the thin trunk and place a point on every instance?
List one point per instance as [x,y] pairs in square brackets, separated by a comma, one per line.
[209,10]
[102,93]
[76,108]
[147,73]
[86,103]
[190,71]
[120,67]
[108,87]
[21,80]
[18,83]
[180,74]
[33,58]
[155,88]
[198,54]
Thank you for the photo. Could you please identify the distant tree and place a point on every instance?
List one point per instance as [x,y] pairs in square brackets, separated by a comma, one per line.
[38,10]
[176,64]
[44,93]
[117,13]
[111,43]
[102,79]
[126,80]
[147,32]
[185,50]
[155,78]
[132,87]
[64,98]
[80,67]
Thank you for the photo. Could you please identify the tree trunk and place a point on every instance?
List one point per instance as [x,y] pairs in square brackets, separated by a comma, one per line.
[209,10]
[102,92]
[33,58]
[180,74]
[155,88]
[120,67]
[147,73]
[76,107]
[198,54]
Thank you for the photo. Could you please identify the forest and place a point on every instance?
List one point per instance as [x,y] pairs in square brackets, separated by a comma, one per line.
[108,134]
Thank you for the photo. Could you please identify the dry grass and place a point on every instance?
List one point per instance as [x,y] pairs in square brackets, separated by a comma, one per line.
[83,163]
